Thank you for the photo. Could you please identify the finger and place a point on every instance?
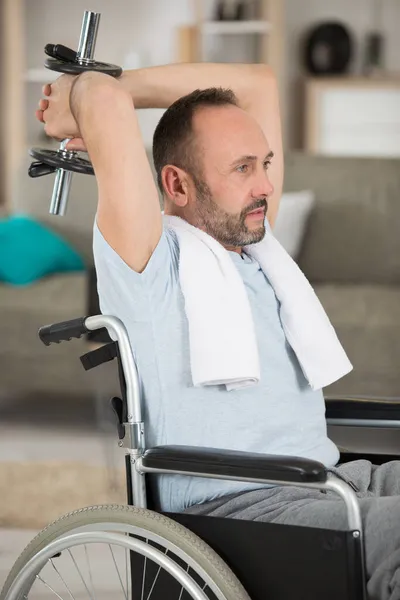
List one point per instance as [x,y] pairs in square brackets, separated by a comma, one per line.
[76,144]
[46,89]
[39,115]
[43,104]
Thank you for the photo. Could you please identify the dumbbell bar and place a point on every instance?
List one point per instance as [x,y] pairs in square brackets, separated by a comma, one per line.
[64,162]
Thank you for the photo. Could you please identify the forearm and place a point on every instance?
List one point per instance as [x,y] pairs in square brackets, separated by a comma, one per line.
[128,214]
[159,87]
[107,121]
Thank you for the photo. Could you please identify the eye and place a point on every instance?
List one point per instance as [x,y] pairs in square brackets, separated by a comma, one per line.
[242,168]
[267,164]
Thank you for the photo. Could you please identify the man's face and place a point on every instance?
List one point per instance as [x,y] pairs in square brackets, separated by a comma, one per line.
[231,188]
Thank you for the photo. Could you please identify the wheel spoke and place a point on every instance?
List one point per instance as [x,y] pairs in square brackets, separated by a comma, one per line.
[156,577]
[49,586]
[62,579]
[126,570]
[119,575]
[90,573]
[143,576]
[80,574]
[154,583]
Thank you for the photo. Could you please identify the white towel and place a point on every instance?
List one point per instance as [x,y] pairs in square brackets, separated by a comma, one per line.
[222,337]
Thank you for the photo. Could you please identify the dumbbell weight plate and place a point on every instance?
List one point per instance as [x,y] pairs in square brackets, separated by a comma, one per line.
[75,68]
[54,158]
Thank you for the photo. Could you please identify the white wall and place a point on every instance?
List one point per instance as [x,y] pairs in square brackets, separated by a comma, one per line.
[357,16]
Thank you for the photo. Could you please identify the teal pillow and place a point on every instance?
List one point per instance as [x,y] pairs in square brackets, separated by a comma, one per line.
[30,251]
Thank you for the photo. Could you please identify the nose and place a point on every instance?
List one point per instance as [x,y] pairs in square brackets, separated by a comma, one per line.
[262,186]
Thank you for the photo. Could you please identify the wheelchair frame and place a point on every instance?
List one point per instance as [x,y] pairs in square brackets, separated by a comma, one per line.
[336,554]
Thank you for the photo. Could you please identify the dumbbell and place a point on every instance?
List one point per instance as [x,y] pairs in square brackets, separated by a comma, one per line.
[64,162]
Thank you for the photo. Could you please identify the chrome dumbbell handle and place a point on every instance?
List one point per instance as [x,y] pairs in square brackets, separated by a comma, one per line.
[87,41]
[62,186]
[62,183]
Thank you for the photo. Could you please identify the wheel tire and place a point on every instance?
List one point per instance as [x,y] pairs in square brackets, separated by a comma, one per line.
[153,522]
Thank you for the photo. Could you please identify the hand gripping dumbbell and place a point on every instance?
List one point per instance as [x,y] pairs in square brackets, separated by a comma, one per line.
[64,162]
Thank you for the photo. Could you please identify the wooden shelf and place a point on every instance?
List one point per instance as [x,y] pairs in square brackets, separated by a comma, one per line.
[207,37]
[235,27]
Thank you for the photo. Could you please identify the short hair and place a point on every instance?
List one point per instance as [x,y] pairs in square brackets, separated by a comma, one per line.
[173,140]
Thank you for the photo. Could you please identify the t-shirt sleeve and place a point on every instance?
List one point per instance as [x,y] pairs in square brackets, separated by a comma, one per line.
[127,294]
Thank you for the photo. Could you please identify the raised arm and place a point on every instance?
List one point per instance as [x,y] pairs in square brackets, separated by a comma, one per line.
[98,109]
[129,214]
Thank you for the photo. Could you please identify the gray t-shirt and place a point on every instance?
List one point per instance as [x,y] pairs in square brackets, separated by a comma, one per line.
[279,415]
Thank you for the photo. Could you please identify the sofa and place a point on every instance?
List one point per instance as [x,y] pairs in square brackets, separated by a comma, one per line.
[350,252]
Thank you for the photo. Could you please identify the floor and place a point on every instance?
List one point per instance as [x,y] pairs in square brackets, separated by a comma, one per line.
[36,429]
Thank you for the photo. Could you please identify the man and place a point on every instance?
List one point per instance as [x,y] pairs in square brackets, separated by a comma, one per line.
[218,155]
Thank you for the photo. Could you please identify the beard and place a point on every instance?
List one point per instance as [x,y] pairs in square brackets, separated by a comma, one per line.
[227,229]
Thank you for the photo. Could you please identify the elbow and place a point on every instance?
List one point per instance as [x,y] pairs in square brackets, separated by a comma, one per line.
[264,74]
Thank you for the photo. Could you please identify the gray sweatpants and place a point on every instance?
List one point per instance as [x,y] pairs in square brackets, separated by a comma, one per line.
[379,498]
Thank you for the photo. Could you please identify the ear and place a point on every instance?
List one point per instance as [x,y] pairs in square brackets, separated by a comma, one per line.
[175,184]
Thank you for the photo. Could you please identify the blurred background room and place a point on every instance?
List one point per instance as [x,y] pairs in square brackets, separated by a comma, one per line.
[338,66]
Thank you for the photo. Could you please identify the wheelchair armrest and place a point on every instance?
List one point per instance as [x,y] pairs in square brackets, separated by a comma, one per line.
[363,408]
[234,464]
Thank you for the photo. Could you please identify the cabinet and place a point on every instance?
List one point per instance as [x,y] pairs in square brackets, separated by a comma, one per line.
[353,116]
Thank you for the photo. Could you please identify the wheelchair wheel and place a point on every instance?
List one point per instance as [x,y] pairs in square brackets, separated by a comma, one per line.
[149,557]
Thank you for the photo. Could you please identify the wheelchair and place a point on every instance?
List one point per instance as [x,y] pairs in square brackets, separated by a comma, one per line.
[168,556]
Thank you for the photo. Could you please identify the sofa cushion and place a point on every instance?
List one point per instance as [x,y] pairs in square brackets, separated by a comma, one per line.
[26,364]
[353,232]
[291,222]
[31,251]
[54,299]
[367,321]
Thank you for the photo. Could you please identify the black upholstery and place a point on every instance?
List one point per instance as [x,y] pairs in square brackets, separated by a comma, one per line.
[213,461]
[363,408]
[272,561]
[283,562]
